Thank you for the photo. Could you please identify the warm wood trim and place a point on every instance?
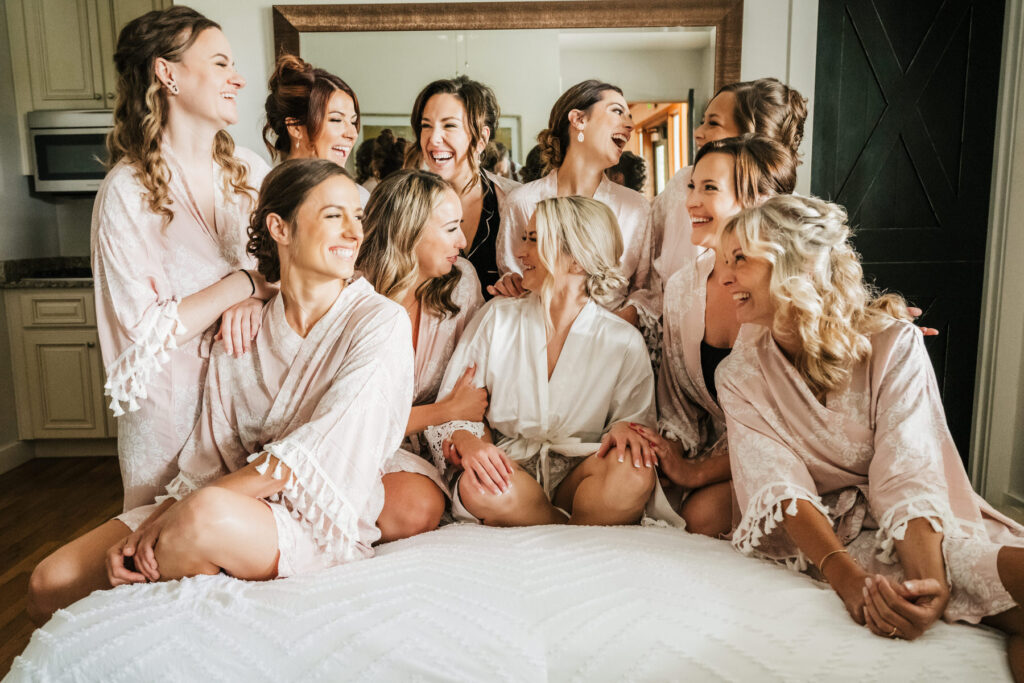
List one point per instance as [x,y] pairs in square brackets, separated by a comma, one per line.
[725,15]
[74,448]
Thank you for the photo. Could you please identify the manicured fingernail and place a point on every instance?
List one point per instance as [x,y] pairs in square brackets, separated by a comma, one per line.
[906,584]
[622,458]
[868,582]
[865,593]
[648,464]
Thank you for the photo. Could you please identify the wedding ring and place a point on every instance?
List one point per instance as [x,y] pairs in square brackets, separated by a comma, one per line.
[893,634]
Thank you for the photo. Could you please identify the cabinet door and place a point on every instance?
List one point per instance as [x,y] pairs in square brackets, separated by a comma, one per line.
[113,15]
[65,384]
[63,54]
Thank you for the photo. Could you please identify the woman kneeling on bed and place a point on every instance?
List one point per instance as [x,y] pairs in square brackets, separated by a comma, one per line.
[838,443]
[565,378]
[281,475]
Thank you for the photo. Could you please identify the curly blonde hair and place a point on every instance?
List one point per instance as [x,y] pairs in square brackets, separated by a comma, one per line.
[396,214]
[585,231]
[140,114]
[817,285]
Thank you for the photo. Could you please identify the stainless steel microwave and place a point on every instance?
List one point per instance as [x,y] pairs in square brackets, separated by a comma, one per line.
[69,148]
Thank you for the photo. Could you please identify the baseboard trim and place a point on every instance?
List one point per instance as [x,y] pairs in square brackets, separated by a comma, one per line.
[74,448]
[14,454]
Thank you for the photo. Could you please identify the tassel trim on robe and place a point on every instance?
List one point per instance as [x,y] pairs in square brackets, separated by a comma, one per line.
[765,512]
[892,526]
[179,487]
[129,374]
[312,498]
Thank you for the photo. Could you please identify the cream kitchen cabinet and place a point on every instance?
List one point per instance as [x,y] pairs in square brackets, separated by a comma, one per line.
[58,371]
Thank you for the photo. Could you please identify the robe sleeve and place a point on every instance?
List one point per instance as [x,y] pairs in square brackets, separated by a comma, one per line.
[634,388]
[766,472]
[907,475]
[335,458]
[473,348]
[136,308]
[467,295]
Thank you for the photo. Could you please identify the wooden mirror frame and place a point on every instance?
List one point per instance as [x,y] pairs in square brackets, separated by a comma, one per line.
[725,15]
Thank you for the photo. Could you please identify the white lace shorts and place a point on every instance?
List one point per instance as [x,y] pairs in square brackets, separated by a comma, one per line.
[299,553]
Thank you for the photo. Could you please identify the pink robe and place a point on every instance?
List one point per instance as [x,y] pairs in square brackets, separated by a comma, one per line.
[435,343]
[142,271]
[633,214]
[332,407]
[877,455]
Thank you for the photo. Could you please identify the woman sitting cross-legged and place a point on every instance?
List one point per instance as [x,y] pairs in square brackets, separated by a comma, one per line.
[281,475]
[563,374]
[411,256]
[838,443]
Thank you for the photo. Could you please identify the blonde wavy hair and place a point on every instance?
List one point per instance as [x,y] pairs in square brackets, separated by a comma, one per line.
[585,231]
[817,285]
[140,114]
[393,223]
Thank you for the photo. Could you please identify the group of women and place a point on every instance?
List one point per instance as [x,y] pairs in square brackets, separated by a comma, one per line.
[302,369]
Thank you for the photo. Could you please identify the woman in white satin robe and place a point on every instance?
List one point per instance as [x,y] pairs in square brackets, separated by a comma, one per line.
[282,474]
[565,378]
[840,452]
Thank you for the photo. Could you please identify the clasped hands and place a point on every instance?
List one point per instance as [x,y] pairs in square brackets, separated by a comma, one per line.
[892,609]
[133,558]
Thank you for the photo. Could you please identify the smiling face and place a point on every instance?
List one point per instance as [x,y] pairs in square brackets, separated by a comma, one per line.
[526,252]
[327,231]
[445,137]
[441,239]
[712,198]
[719,121]
[748,280]
[207,81]
[339,130]
[606,126]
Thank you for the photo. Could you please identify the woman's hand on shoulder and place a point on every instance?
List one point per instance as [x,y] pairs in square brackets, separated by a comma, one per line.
[916,313]
[510,285]
[484,465]
[466,401]
[621,441]
[904,610]
[629,314]
[239,326]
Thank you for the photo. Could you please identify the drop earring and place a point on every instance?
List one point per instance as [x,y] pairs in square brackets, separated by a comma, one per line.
[580,136]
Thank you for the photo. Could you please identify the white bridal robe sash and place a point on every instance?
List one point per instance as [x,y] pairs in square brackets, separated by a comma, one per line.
[332,407]
[875,456]
[435,343]
[687,413]
[633,215]
[142,270]
[603,376]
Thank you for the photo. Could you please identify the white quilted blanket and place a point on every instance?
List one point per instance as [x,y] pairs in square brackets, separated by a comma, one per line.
[467,603]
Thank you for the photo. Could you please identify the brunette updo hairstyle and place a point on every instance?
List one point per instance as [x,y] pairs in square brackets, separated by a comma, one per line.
[300,92]
[554,140]
[762,167]
[140,114]
[770,108]
[283,191]
[482,113]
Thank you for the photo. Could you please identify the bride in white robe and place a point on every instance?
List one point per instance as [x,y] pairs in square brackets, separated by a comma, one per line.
[557,430]
[282,474]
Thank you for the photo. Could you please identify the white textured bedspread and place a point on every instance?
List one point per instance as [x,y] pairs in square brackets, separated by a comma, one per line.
[469,603]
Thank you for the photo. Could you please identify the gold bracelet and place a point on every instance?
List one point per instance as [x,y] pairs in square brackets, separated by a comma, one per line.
[821,565]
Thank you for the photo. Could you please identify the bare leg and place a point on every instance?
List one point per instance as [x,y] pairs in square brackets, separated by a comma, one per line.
[604,491]
[72,571]
[215,529]
[413,504]
[708,510]
[1012,623]
[523,504]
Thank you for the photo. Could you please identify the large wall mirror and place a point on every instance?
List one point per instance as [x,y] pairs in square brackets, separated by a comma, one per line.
[668,56]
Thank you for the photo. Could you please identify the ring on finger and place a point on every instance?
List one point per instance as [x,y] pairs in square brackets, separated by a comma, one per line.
[893,634]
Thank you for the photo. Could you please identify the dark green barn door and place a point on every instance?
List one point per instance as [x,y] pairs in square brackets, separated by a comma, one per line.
[905,109]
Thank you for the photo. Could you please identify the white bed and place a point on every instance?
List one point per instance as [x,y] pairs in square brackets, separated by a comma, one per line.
[469,603]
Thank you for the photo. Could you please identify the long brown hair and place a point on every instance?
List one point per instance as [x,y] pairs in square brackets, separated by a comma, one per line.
[140,114]
[770,108]
[554,140]
[301,92]
[762,167]
[482,111]
[284,190]
[393,223]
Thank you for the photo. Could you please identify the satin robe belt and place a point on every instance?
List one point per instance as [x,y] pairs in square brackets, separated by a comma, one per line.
[521,449]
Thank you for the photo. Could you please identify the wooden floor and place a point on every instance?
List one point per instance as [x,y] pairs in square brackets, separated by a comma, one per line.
[43,504]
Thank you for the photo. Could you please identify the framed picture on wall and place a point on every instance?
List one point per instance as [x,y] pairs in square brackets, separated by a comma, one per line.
[508,131]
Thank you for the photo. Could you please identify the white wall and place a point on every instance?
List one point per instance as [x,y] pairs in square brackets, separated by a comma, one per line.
[647,76]
[779,39]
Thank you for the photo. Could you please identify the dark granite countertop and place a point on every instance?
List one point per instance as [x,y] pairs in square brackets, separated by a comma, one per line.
[46,273]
